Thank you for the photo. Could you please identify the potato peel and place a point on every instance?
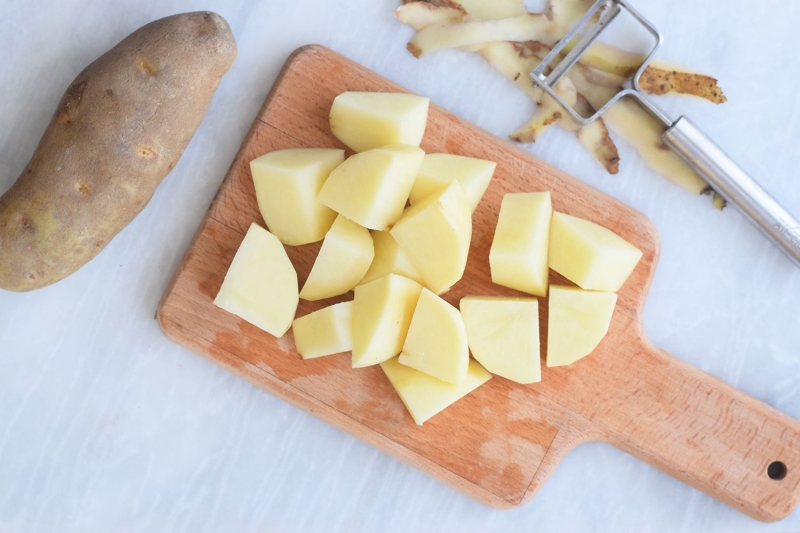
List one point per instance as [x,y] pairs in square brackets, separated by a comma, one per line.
[595,137]
[643,132]
[494,9]
[437,3]
[435,37]
[611,59]
[515,60]
[658,81]
[564,14]
[420,15]
[515,45]
[549,112]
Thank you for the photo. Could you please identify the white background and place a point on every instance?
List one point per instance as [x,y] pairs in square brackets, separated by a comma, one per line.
[107,426]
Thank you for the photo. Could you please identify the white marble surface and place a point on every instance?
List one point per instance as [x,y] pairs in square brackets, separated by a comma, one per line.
[107,426]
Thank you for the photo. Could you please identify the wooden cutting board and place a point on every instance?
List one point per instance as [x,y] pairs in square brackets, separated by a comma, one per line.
[499,444]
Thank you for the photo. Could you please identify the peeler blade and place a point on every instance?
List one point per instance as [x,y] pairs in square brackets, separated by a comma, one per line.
[589,37]
[588,30]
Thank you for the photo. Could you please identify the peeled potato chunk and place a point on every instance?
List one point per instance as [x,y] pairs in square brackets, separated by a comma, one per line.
[389,259]
[261,283]
[503,335]
[371,188]
[435,235]
[577,323]
[287,183]
[324,332]
[364,121]
[518,257]
[342,261]
[424,395]
[439,170]
[437,341]
[382,311]
[589,255]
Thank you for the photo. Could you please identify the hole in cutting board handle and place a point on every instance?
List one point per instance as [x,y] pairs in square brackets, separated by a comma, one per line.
[776,470]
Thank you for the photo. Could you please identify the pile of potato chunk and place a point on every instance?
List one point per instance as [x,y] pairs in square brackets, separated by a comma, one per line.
[396,228]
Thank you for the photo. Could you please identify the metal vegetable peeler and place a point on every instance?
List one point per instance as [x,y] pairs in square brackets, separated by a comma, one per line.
[695,147]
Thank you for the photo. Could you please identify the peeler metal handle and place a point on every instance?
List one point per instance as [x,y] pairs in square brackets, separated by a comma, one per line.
[735,185]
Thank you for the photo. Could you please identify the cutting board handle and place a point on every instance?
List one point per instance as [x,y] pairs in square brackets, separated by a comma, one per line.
[708,434]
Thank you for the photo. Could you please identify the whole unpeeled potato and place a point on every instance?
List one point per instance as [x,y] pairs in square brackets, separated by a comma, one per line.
[117,132]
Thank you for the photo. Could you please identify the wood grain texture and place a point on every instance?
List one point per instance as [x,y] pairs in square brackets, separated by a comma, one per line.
[499,444]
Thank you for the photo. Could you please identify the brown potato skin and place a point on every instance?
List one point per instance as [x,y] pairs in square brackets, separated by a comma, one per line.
[119,129]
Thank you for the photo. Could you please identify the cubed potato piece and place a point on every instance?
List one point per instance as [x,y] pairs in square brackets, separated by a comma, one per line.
[503,335]
[435,234]
[324,332]
[371,188]
[364,121]
[261,283]
[424,395]
[389,259]
[343,259]
[437,341]
[577,322]
[518,257]
[382,311]
[439,170]
[287,183]
[589,255]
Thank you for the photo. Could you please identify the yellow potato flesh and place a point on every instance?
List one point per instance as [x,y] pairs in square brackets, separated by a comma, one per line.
[578,320]
[436,342]
[261,283]
[435,235]
[364,120]
[324,332]
[518,257]
[589,255]
[439,170]
[382,311]
[503,335]
[343,260]
[389,259]
[424,395]
[371,188]
[287,183]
